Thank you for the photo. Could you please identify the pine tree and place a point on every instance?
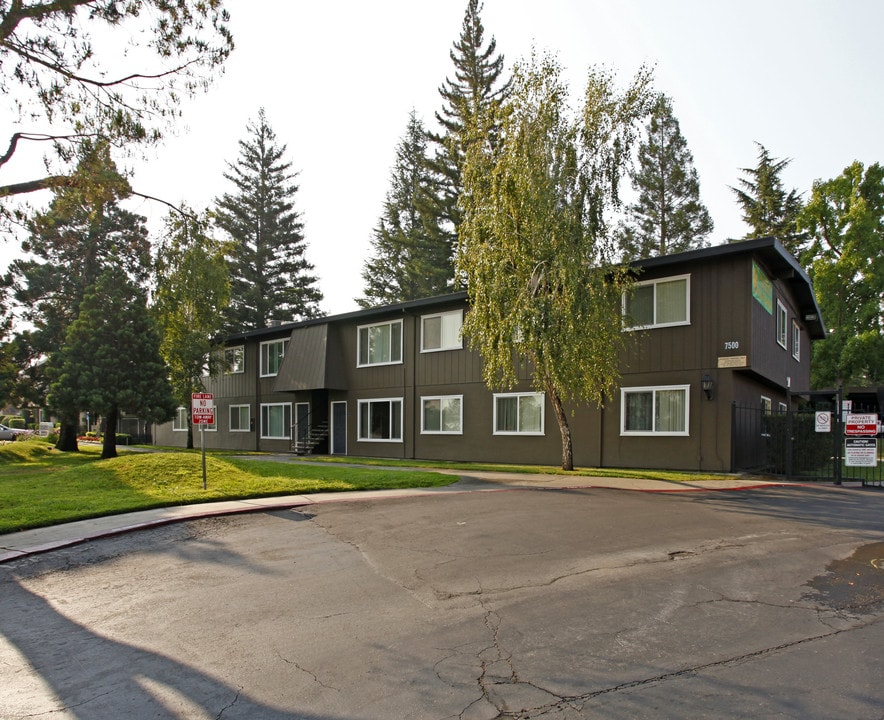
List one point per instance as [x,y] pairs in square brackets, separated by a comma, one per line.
[471,99]
[81,234]
[668,216]
[768,209]
[411,253]
[270,278]
[110,361]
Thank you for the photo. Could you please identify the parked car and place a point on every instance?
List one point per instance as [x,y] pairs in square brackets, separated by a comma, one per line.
[8,433]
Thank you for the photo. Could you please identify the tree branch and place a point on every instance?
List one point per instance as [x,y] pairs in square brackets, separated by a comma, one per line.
[64,72]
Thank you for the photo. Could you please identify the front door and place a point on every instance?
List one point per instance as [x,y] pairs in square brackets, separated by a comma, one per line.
[339,428]
[302,424]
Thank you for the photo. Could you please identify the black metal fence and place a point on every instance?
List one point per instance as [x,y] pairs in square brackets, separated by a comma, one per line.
[786,442]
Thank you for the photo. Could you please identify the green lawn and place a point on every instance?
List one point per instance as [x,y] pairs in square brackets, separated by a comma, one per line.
[40,486]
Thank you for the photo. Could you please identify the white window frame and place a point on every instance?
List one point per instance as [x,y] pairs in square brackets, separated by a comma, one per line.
[796,341]
[359,341]
[239,353]
[655,324]
[782,324]
[441,430]
[766,405]
[238,408]
[288,426]
[360,430]
[264,357]
[179,422]
[654,389]
[444,317]
[541,397]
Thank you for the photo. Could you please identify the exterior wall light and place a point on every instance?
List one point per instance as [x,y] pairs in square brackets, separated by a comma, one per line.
[706,383]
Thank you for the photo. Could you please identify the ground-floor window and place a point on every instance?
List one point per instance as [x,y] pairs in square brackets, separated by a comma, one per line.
[442,415]
[276,421]
[518,414]
[179,422]
[380,420]
[654,410]
[240,418]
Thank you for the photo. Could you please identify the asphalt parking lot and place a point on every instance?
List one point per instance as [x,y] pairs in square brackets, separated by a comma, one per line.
[525,603]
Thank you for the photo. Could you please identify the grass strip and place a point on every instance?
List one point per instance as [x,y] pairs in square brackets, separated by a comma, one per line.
[40,486]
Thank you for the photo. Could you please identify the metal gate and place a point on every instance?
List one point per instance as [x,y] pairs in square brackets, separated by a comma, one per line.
[785,441]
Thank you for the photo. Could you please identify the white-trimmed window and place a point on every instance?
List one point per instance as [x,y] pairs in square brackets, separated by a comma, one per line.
[442,331]
[240,418]
[379,344]
[272,353]
[234,360]
[380,420]
[442,415]
[766,405]
[782,317]
[179,422]
[276,421]
[654,410]
[518,413]
[796,341]
[658,303]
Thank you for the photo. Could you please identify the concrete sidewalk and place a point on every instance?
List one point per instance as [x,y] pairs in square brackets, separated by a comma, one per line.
[29,542]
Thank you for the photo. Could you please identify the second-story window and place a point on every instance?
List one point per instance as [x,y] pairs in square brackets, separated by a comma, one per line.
[442,331]
[796,341]
[272,353]
[658,303]
[380,344]
[781,324]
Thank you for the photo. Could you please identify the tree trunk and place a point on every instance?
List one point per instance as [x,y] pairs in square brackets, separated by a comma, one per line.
[564,428]
[109,444]
[189,429]
[67,434]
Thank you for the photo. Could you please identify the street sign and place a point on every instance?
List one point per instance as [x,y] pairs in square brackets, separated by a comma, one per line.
[823,421]
[861,424]
[861,452]
[202,408]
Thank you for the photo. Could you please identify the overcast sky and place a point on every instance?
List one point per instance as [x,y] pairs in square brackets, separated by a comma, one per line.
[338,80]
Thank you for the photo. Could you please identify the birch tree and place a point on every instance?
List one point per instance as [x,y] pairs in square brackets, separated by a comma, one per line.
[535,240]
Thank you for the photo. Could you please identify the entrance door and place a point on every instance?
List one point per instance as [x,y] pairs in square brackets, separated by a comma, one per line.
[339,428]
[302,424]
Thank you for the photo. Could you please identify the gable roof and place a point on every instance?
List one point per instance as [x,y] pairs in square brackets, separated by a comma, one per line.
[775,257]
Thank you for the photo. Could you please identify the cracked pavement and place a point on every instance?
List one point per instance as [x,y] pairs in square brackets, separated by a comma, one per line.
[554,604]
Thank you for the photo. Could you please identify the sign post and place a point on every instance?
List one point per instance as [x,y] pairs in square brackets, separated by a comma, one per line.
[202,411]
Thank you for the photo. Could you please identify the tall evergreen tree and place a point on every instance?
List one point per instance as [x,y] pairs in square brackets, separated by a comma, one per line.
[82,233]
[768,209]
[270,277]
[110,361]
[411,253]
[668,216]
[471,99]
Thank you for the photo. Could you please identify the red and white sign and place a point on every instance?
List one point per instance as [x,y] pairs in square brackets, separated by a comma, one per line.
[861,424]
[202,408]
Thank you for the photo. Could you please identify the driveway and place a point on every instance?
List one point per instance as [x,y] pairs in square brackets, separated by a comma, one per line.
[525,603]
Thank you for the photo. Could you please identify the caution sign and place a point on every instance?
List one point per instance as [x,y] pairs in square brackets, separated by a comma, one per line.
[861,452]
